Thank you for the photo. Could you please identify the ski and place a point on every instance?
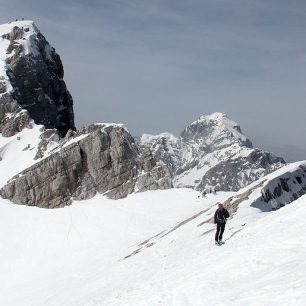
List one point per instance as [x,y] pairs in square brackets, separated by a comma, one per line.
[219,243]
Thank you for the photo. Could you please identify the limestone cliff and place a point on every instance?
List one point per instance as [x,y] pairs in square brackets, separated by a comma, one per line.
[100,158]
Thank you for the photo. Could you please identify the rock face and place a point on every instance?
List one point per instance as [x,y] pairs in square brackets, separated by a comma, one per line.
[32,76]
[100,158]
[287,186]
[13,118]
[165,147]
[212,152]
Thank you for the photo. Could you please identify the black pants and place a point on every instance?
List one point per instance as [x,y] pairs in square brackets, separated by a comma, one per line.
[220,230]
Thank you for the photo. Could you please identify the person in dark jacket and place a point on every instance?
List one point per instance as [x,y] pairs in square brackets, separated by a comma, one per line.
[221,215]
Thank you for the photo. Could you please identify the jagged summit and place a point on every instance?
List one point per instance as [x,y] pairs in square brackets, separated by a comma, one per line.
[216,129]
[31,79]
[212,151]
[213,116]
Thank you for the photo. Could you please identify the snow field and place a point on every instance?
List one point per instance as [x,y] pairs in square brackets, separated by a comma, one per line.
[17,152]
[75,255]
[40,247]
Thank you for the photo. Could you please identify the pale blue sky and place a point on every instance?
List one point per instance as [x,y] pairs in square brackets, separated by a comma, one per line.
[157,65]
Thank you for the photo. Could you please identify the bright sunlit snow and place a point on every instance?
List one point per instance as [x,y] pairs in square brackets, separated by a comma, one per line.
[152,248]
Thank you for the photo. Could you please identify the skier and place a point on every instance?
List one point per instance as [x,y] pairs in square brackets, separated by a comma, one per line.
[221,215]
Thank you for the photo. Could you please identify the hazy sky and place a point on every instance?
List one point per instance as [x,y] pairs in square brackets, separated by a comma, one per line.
[157,65]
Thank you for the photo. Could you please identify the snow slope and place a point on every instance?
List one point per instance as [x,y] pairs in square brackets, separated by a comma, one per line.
[49,255]
[17,152]
[155,248]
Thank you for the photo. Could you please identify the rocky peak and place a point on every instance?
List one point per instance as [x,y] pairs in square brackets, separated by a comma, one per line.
[212,152]
[215,131]
[32,74]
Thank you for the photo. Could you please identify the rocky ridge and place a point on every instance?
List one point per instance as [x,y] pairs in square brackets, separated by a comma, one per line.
[212,152]
[99,158]
[284,186]
[274,190]
[52,163]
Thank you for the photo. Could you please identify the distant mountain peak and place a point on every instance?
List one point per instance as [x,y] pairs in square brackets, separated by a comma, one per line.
[215,129]
[214,116]
[212,151]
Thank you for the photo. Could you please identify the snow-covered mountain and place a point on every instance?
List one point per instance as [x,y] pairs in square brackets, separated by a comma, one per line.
[157,248]
[212,152]
[43,161]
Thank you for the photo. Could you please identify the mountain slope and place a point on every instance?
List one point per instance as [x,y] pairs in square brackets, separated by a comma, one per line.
[22,150]
[81,260]
[212,152]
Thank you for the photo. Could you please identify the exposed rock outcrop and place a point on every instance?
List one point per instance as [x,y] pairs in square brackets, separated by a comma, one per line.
[13,118]
[47,137]
[273,191]
[99,158]
[34,72]
[286,187]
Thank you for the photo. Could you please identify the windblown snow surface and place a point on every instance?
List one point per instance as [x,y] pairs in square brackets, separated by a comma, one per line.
[153,248]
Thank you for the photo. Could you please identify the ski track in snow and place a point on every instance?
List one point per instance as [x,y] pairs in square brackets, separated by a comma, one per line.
[74,255]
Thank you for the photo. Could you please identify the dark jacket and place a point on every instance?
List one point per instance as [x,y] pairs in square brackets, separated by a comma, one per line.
[221,215]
